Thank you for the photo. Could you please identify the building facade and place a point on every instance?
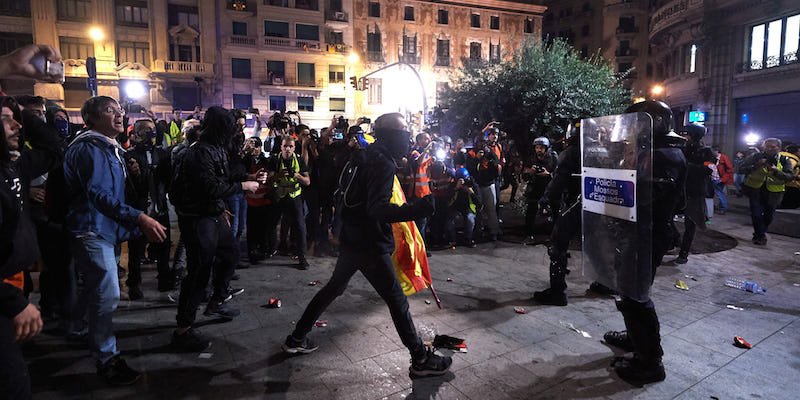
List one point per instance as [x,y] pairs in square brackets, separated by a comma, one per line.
[732,63]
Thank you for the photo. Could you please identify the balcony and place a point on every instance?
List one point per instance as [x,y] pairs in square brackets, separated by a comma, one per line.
[183,68]
[337,48]
[289,81]
[15,8]
[625,5]
[243,5]
[336,18]
[627,31]
[374,56]
[236,40]
[442,61]
[301,44]
[629,52]
[411,58]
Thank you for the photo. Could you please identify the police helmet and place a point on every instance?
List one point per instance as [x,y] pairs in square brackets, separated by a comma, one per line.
[543,141]
[659,111]
[573,129]
[694,131]
[462,173]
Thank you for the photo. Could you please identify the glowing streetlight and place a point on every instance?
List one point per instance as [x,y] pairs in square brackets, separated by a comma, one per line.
[638,100]
[751,139]
[353,58]
[134,90]
[96,34]
[657,90]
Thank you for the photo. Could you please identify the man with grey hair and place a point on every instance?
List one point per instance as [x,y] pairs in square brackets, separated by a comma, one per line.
[367,242]
[765,182]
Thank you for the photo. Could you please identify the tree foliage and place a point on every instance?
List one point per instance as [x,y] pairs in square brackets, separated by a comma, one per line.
[535,92]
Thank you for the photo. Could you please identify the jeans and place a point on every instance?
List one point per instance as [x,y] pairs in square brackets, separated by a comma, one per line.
[469,226]
[237,205]
[489,211]
[762,208]
[738,180]
[379,271]
[97,259]
[719,189]
[209,246]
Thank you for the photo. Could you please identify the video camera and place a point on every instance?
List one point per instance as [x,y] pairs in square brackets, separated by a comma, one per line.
[341,123]
[281,121]
[769,160]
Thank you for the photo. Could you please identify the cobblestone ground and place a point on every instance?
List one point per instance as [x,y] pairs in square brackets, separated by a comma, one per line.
[511,356]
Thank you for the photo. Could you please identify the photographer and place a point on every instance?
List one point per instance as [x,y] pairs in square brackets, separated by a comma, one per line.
[290,172]
[483,166]
[765,183]
[262,210]
[464,201]
[538,173]
[419,161]
[278,125]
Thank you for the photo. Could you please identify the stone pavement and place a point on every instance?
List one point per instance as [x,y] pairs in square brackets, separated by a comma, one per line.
[511,356]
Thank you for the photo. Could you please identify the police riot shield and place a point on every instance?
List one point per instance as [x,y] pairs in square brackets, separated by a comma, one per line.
[616,175]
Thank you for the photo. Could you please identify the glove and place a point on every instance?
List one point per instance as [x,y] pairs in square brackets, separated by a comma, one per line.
[426,206]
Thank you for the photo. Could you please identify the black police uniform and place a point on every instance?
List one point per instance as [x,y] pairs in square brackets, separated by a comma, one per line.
[536,187]
[698,178]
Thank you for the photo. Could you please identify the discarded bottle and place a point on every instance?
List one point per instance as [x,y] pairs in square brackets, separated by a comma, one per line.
[742,284]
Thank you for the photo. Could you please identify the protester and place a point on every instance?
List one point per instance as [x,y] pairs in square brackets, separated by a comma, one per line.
[738,177]
[725,178]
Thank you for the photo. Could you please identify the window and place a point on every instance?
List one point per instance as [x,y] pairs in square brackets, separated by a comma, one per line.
[691,59]
[408,13]
[15,8]
[494,22]
[336,37]
[375,91]
[307,32]
[442,53]
[337,103]
[374,52]
[585,31]
[305,103]
[183,15]
[240,68]
[306,5]
[73,48]
[138,52]
[410,45]
[774,43]
[626,25]
[277,103]
[276,29]
[305,74]
[475,51]
[185,97]
[475,20]
[240,28]
[243,101]
[443,17]
[624,67]
[131,12]
[335,73]
[335,5]
[441,89]
[12,41]
[277,3]
[374,9]
[276,72]
[185,53]
[494,52]
[529,25]
[74,10]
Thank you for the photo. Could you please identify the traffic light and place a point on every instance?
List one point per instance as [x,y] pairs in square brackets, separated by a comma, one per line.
[366,84]
[354,82]
[91,70]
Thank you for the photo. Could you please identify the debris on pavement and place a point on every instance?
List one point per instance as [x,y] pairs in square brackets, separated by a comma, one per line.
[321,324]
[681,285]
[732,307]
[520,310]
[427,302]
[738,341]
[205,356]
[450,279]
[273,303]
[314,283]
[690,277]
[450,342]
[571,327]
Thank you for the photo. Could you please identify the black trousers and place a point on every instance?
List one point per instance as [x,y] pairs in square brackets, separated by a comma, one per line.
[565,228]
[688,236]
[53,281]
[643,328]
[379,271]
[292,211]
[311,197]
[209,246]
[160,251]
[261,223]
[15,382]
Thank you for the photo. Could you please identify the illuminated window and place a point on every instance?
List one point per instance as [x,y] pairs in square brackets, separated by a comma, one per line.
[692,59]
[774,43]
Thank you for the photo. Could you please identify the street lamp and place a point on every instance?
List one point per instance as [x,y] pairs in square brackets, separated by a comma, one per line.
[657,90]
[134,90]
[96,34]
[353,58]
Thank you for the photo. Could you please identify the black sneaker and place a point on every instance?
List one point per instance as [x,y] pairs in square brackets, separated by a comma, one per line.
[221,310]
[471,244]
[135,293]
[294,346]
[639,372]
[619,339]
[302,263]
[190,342]
[601,289]
[549,297]
[433,364]
[117,372]
[682,259]
[233,292]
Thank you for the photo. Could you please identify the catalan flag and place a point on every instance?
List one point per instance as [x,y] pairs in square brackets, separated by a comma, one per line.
[409,258]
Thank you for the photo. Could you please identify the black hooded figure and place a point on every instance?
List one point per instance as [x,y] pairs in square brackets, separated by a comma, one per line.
[642,334]
[367,243]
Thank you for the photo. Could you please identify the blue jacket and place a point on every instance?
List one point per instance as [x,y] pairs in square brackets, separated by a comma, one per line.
[95,174]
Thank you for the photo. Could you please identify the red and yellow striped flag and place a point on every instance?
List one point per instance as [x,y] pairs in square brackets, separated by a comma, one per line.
[409,258]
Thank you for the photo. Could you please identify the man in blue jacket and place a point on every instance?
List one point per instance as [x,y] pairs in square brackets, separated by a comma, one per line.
[99,220]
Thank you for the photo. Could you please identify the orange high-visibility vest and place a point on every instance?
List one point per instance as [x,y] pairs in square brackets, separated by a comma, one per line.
[422,180]
[18,280]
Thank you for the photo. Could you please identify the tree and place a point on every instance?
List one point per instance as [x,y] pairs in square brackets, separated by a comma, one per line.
[536,92]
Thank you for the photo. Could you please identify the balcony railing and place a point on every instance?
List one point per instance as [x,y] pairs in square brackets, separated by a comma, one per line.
[626,52]
[626,30]
[237,40]
[772,62]
[290,42]
[243,5]
[336,16]
[442,61]
[409,58]
[15,8]
[337,48]
[183,67]
[292,81]
[375,56]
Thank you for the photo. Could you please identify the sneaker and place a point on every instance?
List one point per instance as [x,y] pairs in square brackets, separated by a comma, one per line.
[601,289]
[682,259]
[232,292]
[221,310]
[550,297]
[432,364]
[117,372]
[294,346]
[618,339]
[529,241]
[471,244]
[302,263]
[190,342]
[640,372]
[135,293]
[761,241]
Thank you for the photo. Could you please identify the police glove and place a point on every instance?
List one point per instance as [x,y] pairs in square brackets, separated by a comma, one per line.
[426,206]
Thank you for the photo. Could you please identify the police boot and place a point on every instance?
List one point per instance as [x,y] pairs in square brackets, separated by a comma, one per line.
[643,333]
[556,294]
[683,258]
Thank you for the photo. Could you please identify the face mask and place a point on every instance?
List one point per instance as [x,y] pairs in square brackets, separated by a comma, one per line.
[396,140]
[63,126]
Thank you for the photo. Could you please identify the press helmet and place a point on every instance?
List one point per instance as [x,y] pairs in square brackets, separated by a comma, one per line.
[694,131]
[543,141]
[659,111]
[462,173]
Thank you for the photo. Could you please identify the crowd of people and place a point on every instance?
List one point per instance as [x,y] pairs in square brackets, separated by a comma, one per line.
[82,190]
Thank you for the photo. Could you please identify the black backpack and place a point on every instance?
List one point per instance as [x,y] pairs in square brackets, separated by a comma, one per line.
[347,194]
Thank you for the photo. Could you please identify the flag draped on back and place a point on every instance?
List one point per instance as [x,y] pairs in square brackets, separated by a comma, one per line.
[409,259]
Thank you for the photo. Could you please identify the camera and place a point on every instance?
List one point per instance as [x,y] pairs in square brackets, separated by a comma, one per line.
[279,121]
[341,123]
[365,120]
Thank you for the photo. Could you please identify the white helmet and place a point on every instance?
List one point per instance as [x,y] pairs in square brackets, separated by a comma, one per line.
[541,140]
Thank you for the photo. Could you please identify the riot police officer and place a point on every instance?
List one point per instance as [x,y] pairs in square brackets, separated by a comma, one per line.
[538,174]
[642,336]
[698,178]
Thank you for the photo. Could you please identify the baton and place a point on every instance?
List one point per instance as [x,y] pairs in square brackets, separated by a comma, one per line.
[578,201]
[436,297]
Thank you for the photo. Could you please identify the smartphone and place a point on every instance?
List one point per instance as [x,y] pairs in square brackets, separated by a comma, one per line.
[54,69]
